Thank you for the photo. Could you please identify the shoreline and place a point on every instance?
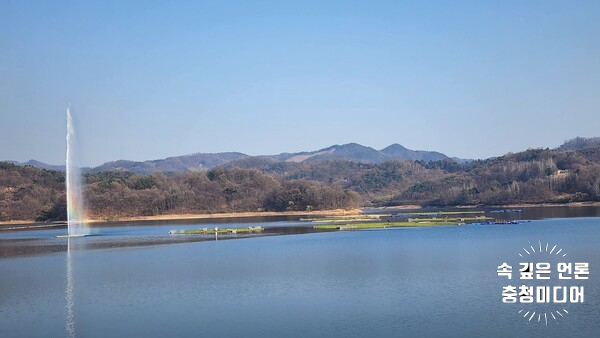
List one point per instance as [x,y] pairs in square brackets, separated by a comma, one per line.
[26,224]
[29,224]
[248,214]
[547,205]
[499,206]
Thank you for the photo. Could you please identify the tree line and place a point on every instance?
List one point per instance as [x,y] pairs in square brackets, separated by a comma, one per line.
[254,184]
[29,193]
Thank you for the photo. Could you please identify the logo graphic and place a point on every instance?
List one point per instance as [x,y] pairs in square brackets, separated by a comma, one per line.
[544,294]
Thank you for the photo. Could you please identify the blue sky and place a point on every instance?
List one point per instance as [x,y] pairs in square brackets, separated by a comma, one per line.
[149,80]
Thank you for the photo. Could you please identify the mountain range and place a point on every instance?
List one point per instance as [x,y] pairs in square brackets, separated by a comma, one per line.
[203,161]
[350,151]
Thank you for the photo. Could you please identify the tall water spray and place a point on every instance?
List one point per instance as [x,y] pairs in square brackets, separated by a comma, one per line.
[75,209]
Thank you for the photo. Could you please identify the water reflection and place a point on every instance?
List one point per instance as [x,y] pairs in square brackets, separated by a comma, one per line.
[73,245]
[43,242]
[70,325]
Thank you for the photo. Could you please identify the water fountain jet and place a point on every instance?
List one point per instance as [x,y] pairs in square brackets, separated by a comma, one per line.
[75,209]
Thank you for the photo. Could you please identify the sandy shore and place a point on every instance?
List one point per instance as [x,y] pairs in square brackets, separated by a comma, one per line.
[397,207]
[174,217]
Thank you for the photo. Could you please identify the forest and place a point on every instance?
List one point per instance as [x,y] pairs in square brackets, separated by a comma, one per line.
[562,175]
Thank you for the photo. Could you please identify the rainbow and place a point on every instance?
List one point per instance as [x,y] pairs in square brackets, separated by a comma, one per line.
[76,216]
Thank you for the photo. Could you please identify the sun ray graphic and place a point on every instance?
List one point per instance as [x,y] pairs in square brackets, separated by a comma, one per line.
[539,252]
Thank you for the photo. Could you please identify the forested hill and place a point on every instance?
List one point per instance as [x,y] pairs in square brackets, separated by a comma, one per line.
[253,184]
[579,143]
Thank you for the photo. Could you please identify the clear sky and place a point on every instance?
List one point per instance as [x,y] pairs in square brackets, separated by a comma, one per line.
[152,79]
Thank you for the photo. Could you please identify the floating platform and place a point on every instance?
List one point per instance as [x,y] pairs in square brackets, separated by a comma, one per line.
[72,236]
[217,230]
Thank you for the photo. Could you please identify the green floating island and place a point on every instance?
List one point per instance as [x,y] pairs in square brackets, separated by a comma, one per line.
[411,222]
[383,225]
[217,230]
[433,216]
[419,219]
[421,213]
[448,219]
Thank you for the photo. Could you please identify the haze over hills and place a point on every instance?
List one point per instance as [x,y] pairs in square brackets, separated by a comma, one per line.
[200,161]
[175,164]
[40,165]
[350,151]
[359,153]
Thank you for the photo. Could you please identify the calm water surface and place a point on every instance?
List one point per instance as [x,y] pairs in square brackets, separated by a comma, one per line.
[416,282]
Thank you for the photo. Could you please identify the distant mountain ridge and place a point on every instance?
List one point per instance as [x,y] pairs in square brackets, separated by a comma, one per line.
[40,165]
[397,151]
[206,161]
[351,152]
[175,164]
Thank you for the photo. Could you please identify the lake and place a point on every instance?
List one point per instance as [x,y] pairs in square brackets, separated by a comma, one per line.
[409,282]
